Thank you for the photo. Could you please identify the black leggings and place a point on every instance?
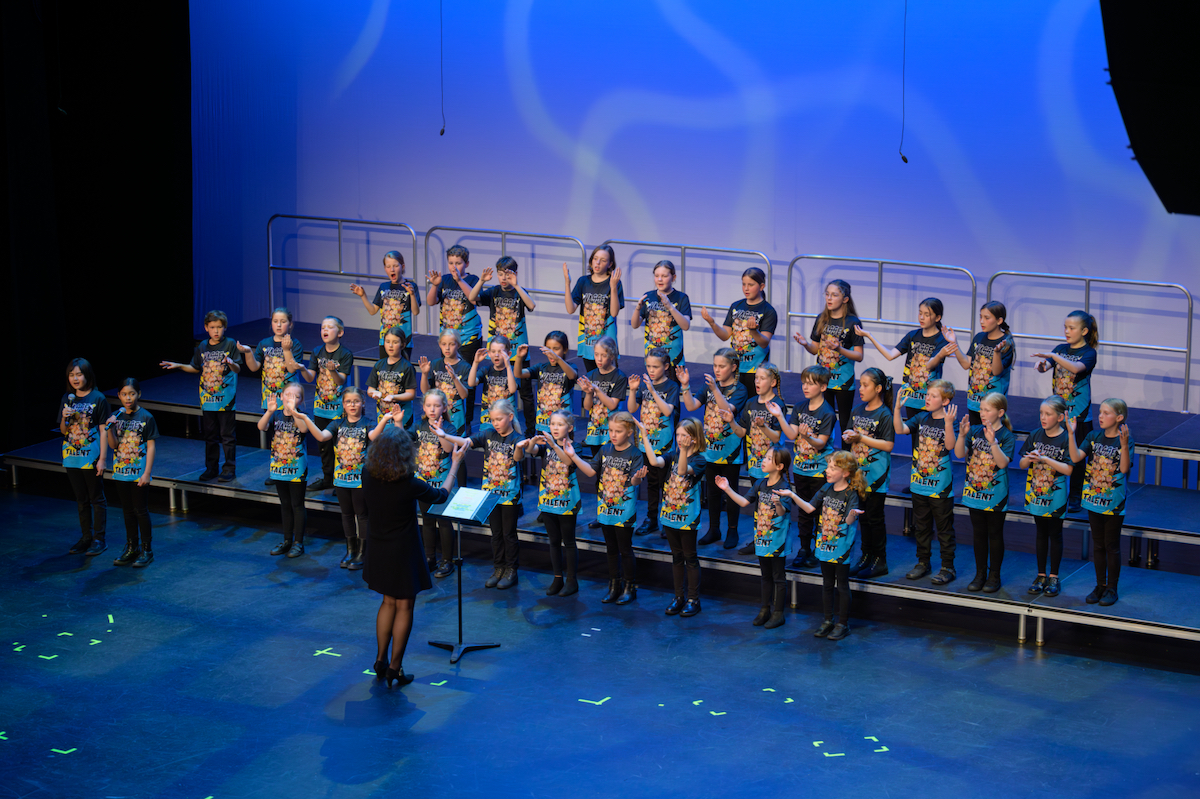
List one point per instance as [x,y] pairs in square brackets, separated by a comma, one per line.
[1078,473]
[137,515]
[619,543]
[988,528]
[561,530]
[773,583]
[353,505]
[842,402]
[747,380]
[1106,547]
[467,354]
[1049,539]
[503,522]
[835,577]
[436,530]
[656,478]
[685,565]
[717,498]
[291,505]
[806,488]
[873,525]
[89,496]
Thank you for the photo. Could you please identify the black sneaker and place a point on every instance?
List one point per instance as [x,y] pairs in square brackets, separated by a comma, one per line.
[992,585]
[747,550]
[209,474]
[497,573]
[646,528]
[839,632]
[97,547]
[977,583]
[593,525]
[1052,587]
[1094,597]
[1038,586]
[80,546]
[1109,598]
[919,571]
[226,476]
[319,484]
[1074,506]
[444,569]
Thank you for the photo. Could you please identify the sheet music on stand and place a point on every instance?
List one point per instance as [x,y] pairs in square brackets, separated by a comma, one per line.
[464,504]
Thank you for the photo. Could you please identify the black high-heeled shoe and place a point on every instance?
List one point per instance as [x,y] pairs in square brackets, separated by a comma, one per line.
[381,668]
[398,676]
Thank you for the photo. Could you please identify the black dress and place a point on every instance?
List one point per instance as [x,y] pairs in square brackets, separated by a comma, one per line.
[395,563]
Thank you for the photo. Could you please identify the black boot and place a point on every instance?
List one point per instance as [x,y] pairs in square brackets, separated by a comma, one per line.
[555,586]
[876,568]
[349,556]
[129,555]
[570,584]
[80,546]
[614,591]
[629,594]
[860,565]
[356,557]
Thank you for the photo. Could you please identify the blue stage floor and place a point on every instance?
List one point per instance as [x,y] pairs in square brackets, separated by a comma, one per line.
[200,676]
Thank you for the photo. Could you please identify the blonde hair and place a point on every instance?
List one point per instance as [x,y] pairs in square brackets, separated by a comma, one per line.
[1119,406]
[694,429]
[452,333]
[505,407]
[625,418]
[437,393]
[772,370]
[943,387]
[293,387]
[849,464]
[999,402]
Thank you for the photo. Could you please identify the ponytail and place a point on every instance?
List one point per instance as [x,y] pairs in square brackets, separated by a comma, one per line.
[995,399]
[1087,320]
[883,381]
[935,307]
[849,464]
[997,309]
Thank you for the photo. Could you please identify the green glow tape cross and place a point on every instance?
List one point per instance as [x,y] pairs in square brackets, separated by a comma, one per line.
[368,671]
[3,735]
[60,635]
[833,754]
[110,618]
[47,657]
[870,738]
[18,649]
[326,651]
[772,690]
[788,701]
[715,713]
[443,682]
[65,751]
[601,702]
[882,749]
[698,701]
[94,642]
[817,743]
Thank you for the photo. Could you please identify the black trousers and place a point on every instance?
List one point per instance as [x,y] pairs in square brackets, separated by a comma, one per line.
[436,531]
[747,380]
[89,496]
[1106,547]
[561,530]
[1049,543]
[717,499]
[291,506]
[326,448]
[685,564]
[928,512]
[528,404]
[806,523]
[842,402]
[656,479]
[219,430]
[353,505]
[988,529]
[835,579]
[467,353]
[588,365]
[873,525]
[773,581]
[503,522]
[619,544]
[135,511]
[1079,472]
[975,418]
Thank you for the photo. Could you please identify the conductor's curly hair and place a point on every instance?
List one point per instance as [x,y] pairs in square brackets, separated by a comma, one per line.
[392,455]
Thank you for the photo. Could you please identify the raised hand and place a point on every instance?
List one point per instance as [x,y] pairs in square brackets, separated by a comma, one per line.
[550,354]
[1123,432]
[272,404]
[397,414]
[286,341]
[774,409]
[480,355]
[410,287]
[486,274]
[724,414]
[1071,425]
[436,426]
[664,297]
[949,349]
[989,434]
[949,334]
[242,347]
[434,277]
[424,365]
[354,289]
[752,322]
[569,449]
[635,382]
[615,274]
[540,438]
[722,482]
[681,372]
[640,474]
[1004,346]
[706,316]
[711,382]
[289,401]
[522,351]
[800,339]
[1044,363]
[859,331]
[759,422]
[567,273]
[585,385]
[951,413]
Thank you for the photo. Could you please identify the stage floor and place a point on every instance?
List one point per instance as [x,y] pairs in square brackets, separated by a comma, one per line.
[220,671]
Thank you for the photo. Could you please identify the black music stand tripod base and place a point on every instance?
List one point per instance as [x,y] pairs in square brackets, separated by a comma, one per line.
[460,649]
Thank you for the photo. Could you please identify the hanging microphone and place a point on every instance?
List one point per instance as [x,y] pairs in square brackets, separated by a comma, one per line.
[442,132]
[904,158]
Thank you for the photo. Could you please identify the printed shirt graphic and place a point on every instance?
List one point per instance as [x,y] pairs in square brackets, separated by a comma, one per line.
[986,486]
[614,384]
[457,312]
[661,429]
[757,442]
[501,474]
[218,382]
[350,444]
[507,317]
[327,402]
[616,498]
[661,329]
[393,378]
[1046,489]
[395,306]
[807,460]
[441,376]
[594,318]
[553,394]
[722,445]
[750,353]
[837,530]
[981,381]
[917,374]
[559,489]
[875,464]
[132,431]
[680,506]
[289,461]
[1104,484]
[1075,389]
[433,461]
[837,333]
[275,376]
[493,384]
[931,475]
[81,444]
[770,525]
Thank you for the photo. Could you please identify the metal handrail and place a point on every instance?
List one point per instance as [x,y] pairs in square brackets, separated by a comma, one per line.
[880,262]
[683,251]
[339,272]
[1088,280]
[504,234]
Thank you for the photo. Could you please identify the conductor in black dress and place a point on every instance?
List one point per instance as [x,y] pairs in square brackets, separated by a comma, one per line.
[395,564]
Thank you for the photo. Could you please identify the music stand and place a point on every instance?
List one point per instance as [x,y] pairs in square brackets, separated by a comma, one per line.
[473,505]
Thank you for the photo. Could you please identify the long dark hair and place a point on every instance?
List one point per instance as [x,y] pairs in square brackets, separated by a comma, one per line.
[1087,320]
[85,369]
[997,310]
[935,307]
[850,310]
[881,379]
[391,456]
